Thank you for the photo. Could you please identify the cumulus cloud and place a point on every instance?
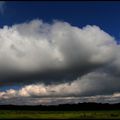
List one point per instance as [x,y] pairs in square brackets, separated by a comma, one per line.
[111,99]
[52,52]
[60,62]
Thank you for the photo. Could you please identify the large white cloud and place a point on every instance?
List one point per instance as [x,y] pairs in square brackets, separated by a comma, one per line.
[35,49]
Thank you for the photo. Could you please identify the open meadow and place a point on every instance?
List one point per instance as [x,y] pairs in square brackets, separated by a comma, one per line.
[15,114]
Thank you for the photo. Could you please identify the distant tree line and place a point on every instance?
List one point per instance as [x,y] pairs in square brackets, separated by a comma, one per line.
[64,107]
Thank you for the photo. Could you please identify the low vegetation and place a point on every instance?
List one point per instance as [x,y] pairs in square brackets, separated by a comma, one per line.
[15,114]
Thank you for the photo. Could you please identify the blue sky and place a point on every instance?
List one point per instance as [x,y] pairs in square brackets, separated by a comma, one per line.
[103,14]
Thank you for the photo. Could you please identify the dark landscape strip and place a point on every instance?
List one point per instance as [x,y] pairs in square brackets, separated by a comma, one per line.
[65,107]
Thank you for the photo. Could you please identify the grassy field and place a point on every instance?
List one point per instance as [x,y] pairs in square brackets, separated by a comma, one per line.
[11,114]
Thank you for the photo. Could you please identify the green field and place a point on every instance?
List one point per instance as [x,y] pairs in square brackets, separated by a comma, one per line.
[11,114]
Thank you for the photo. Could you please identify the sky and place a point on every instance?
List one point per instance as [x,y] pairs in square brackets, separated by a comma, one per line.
[59,52]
